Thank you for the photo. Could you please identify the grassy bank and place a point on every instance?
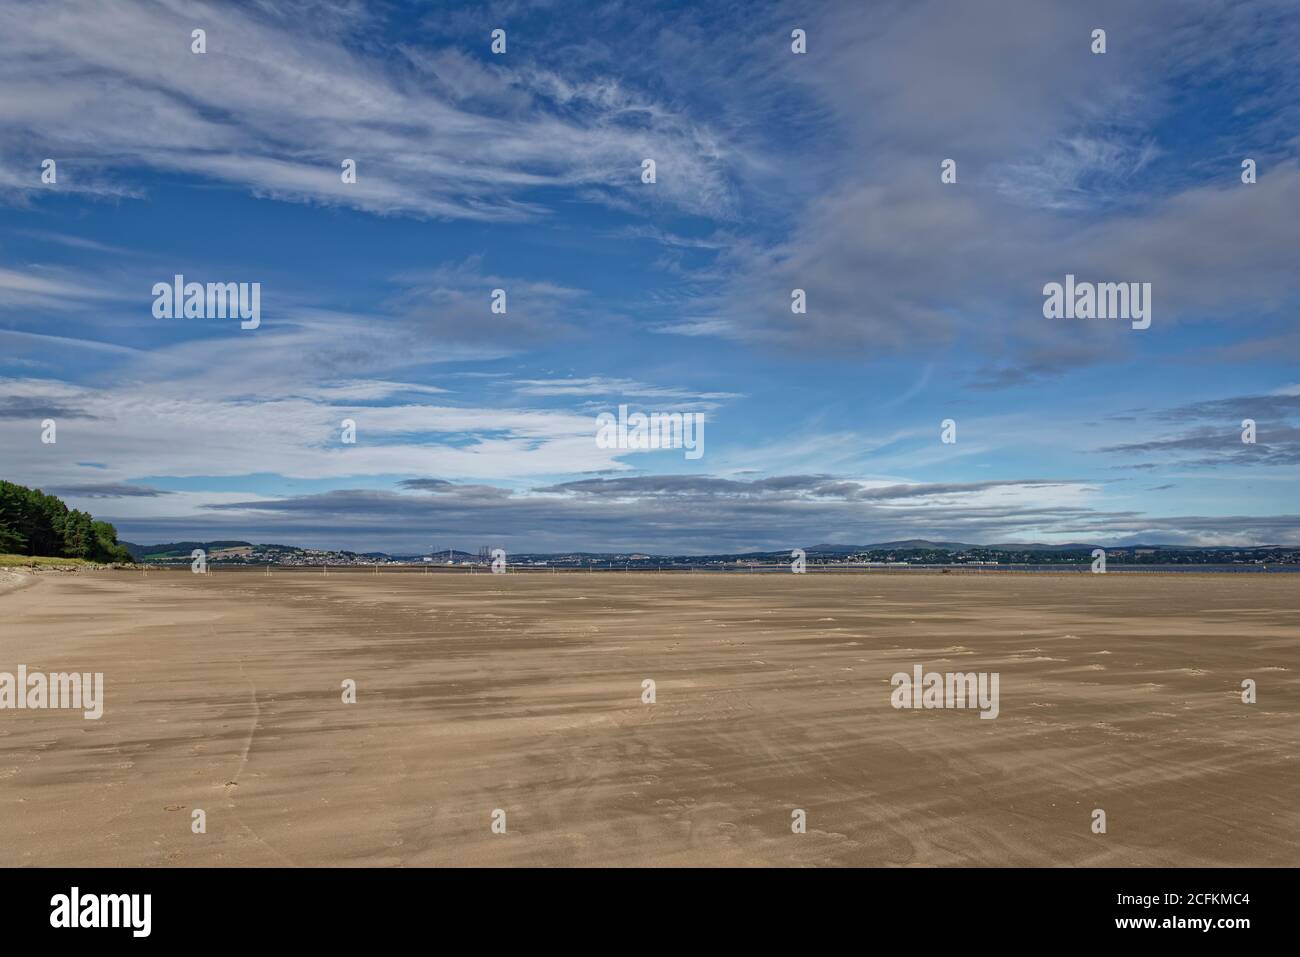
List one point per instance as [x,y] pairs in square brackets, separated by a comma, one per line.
[30,561]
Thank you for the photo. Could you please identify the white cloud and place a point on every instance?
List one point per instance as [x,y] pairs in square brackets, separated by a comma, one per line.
[275,106]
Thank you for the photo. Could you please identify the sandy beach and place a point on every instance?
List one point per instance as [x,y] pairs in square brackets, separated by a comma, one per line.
[523,692]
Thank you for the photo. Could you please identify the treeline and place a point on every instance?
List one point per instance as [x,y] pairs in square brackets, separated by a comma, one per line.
[33,523]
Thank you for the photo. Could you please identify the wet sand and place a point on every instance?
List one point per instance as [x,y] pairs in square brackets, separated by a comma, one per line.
[523,692]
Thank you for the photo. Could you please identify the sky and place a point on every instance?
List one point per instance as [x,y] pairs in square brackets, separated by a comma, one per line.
[774,170]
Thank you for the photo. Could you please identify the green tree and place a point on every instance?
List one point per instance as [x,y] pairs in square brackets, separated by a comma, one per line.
[33,523]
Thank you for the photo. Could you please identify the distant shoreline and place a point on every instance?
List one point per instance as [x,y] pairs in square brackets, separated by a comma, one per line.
[645,567]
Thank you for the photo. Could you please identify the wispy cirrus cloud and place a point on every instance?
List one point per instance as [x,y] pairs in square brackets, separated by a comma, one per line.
[1213,431]
[283,95]
[49,288]
[607,387]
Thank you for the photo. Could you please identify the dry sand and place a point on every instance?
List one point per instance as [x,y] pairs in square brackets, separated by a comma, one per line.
[523,692]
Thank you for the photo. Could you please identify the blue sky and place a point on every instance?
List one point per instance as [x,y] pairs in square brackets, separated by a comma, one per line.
[774,171]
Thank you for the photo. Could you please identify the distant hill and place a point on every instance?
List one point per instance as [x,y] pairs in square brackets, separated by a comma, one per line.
[912,549]
[920,544]
[917,543]
[177,550]
[238,551]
